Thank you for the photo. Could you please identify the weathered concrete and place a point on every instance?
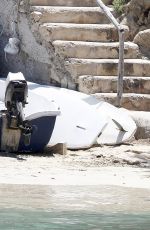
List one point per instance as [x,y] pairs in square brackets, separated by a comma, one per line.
[107,67]
[108,84]
[79,32]
[95,50]
[67,2]
[137,102]
[89,49]
[79,15]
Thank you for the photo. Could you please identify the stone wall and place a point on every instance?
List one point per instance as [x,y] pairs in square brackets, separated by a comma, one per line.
[36,60]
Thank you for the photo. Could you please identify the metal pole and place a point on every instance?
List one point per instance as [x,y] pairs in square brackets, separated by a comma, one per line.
[108,14]
[121,50]
[120,68]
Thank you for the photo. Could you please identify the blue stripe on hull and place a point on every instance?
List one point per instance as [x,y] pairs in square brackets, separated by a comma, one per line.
[42,131]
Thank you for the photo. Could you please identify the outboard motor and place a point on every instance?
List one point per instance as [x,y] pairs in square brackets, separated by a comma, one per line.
[16,97]
[13,122]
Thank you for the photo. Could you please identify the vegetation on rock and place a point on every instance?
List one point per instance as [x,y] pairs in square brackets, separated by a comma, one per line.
[118,5]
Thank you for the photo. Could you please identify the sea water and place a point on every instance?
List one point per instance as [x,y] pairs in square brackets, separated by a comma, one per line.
[73,207]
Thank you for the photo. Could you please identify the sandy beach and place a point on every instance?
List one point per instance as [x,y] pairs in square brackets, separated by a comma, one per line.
[126,165]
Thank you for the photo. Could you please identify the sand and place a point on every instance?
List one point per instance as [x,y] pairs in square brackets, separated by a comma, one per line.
[126,165]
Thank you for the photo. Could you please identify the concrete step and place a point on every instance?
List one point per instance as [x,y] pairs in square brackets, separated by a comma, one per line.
[136,102]
[108,84]
[81,15]
[107,67]
[81,3]
[80,49]
[79,32]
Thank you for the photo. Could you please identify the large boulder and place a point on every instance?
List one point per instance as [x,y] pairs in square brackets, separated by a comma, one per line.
[143,40]
[137,16]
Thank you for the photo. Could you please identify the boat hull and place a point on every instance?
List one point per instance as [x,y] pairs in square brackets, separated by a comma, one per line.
[42,129]
[42,132]
[84,120]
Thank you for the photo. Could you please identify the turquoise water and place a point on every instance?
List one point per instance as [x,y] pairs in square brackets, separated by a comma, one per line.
[21,220]
[73,208]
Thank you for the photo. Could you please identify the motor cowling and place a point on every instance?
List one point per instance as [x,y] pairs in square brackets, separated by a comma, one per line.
[16,90]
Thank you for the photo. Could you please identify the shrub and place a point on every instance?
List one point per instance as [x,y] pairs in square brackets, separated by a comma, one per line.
[118,5]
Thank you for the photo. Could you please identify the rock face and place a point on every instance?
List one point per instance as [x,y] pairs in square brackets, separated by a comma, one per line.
[37,62]
[137,16]
[143,40]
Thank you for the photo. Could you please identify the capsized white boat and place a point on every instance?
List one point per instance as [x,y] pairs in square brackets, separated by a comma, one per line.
[84,120]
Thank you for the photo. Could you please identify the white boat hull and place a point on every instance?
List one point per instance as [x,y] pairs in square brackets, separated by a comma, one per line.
[84,120]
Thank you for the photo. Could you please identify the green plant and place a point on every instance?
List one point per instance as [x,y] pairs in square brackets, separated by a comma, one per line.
[118,5]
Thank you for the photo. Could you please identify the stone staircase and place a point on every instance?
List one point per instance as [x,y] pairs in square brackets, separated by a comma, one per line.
[88,44]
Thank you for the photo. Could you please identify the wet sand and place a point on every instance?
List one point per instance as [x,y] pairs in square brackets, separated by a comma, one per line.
[99,198]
